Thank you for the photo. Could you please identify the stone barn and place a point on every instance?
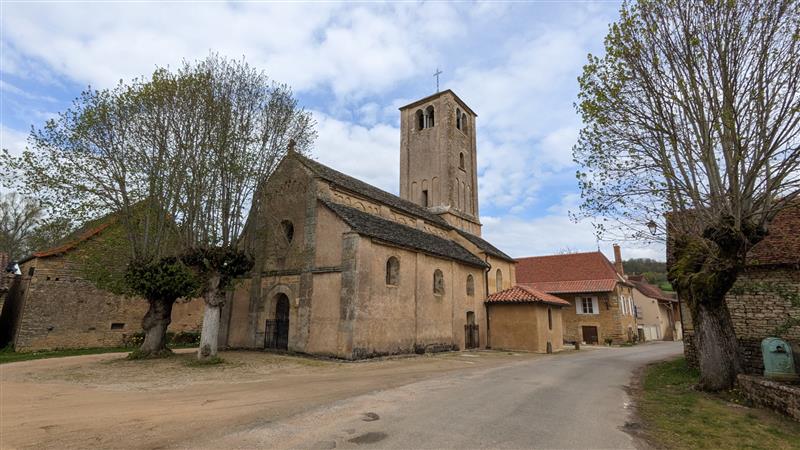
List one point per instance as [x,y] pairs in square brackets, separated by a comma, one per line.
[351,271]
[53,304]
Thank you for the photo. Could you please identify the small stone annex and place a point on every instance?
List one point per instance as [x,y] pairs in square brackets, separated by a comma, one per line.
[348,270]
[54,305]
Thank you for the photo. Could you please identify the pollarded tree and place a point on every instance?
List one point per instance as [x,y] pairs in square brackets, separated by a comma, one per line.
[249,124]
[693,114]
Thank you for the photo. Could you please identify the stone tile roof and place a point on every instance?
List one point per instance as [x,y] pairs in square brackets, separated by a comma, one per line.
[367,190]
[524,294]
[482,244]
[650,290]
[782,244]
[402,235]
[569,273]
[87,231]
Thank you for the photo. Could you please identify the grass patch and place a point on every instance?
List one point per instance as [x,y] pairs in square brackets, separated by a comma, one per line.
[677,416]
[8,356]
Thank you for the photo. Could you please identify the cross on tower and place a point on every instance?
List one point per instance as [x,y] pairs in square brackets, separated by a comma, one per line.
[436,74]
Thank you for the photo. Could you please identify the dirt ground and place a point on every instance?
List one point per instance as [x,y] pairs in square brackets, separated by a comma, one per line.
[108,402]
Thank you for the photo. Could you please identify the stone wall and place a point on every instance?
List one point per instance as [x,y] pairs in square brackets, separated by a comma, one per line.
[780,397]
[75,314]
[760,304]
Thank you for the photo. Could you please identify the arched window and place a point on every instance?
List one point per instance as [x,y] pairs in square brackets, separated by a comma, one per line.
[461,161]
[429,120]
[549,319]
[499,281]
[288,230]
[393,271]
[470,285]
[420,120]
[458,118]
[438,282]
[463,122]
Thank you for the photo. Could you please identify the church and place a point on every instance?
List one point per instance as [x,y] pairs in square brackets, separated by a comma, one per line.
[347,270]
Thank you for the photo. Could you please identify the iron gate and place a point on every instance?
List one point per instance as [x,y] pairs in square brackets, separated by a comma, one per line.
[277,334]
[471,335]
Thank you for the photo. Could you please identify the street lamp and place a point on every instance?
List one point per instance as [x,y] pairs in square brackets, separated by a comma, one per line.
[653,226]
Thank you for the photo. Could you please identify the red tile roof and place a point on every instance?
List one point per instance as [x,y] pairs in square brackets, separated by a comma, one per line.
[523,294]
[573,287]
[782,244]
[650,290]
[83,236]
[569,273]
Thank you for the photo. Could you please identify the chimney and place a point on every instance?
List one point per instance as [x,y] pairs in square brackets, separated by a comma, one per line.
[618,260]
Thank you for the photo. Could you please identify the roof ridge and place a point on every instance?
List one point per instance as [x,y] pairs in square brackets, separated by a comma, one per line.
[560,255]
[404,205]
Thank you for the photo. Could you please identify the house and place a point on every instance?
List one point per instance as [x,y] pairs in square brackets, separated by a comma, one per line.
[657,313]
[56,301]
[601,299]
[765,300]
[348,270]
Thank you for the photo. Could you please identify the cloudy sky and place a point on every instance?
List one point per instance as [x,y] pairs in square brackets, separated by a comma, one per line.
[353,65]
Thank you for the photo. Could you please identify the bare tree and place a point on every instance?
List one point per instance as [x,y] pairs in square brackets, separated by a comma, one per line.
[111,153]
[250,122]
[694,111]
[19,217]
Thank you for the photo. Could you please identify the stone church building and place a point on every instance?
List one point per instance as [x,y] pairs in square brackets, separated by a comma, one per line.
[348,270]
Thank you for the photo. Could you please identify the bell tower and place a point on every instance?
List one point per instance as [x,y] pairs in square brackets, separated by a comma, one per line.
[438,161]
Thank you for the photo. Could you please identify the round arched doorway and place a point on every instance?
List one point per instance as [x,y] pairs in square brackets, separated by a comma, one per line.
[277,332]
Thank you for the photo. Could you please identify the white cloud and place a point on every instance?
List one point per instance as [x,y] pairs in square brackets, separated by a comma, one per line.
[370,154]
[13,140]
[353,50]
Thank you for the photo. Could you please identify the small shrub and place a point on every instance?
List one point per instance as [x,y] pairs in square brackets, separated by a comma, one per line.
[138,354]
[609,341]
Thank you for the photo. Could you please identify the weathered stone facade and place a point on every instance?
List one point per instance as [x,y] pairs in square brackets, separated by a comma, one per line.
[780,397]
[611,320]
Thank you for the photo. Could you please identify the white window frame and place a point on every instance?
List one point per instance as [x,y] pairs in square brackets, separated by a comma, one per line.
[579,306]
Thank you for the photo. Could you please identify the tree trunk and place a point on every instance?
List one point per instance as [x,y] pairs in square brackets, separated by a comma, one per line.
[717,348]
[209,336]
[155,323]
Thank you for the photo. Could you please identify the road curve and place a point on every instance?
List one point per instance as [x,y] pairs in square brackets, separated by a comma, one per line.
[574,400]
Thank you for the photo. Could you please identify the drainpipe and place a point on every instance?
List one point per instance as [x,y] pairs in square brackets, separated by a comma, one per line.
[486,293]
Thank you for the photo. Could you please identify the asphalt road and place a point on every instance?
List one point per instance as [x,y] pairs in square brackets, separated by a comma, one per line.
[574,400]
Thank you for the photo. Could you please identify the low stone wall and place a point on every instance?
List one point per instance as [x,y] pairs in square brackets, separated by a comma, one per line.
[781,397]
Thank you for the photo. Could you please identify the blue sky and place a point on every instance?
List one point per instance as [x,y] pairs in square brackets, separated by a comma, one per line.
[353,65]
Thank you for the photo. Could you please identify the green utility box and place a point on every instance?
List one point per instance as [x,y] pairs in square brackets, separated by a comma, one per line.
[778,359]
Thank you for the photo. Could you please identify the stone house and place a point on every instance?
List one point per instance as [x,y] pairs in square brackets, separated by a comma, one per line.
[601,299]
[657,313]
[53,304]
[765,300]
[521,318]
[351,271]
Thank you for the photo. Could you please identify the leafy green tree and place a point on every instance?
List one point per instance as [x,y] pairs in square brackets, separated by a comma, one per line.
[694,112]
